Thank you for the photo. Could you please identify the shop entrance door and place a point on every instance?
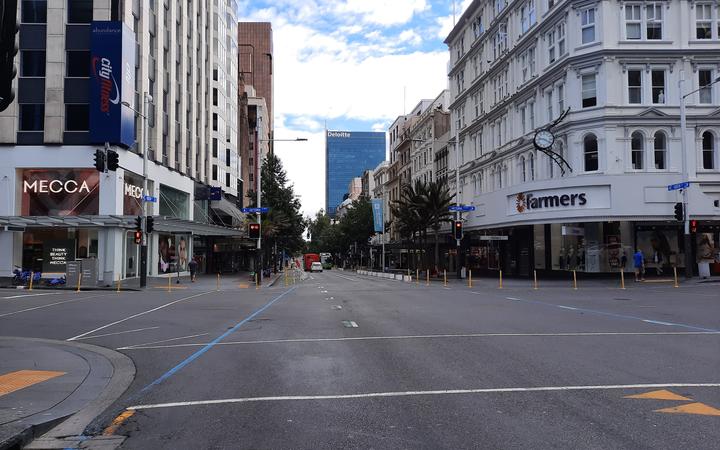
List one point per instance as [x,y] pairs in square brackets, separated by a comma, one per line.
[132,256]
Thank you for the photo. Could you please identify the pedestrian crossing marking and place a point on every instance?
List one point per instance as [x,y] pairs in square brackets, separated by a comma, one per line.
[692,408]
[14,381]
[662,394]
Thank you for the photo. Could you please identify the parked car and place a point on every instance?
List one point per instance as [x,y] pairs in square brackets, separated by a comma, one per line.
[316,267]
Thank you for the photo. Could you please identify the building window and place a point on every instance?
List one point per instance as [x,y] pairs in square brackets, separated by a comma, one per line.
[34,11]
[658,86]
[531,160]
[79,11]
[590,150]
[637,150]
[589,91]
[651,16]
[477,26]
[556,42]
[561,98]
[660,146]
[549,101]
[705,83]
[703,21]
[523,121]
[531,113]
[77,117]
[633,21]
[523,174]
[32,63]
[587,25]
[528,16]
[32,117]
[708,150]
[635,87]
[78,64]
[654,23]
[227,179]
[215,173]
[500,40]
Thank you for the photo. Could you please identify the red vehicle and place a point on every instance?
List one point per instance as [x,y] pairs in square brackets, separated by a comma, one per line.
[308,259]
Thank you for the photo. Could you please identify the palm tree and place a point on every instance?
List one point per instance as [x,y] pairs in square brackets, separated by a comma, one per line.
[435,202]
[411,220]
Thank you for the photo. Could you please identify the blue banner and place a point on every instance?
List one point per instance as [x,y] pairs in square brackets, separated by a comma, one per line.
[112,82]
[377,208]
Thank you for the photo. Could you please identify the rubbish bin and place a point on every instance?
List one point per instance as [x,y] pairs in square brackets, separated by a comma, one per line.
[704,269]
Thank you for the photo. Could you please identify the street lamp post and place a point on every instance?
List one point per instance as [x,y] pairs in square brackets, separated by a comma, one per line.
[685,169]
[147,99]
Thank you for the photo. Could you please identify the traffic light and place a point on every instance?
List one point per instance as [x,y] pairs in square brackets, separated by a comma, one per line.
[138,237]
[693,226]
[254,230]
[138,223]
[100,160]
[149,224]
[8,50]
[113,160]
[458,230]
[679,216]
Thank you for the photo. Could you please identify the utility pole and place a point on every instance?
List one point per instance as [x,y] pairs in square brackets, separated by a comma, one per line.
[147,98]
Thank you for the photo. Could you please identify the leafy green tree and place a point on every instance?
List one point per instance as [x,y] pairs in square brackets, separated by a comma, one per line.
[435,202]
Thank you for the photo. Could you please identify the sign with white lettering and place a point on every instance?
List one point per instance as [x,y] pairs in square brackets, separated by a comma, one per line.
[132,194]
[56,255]
[562,199]
[60,192]
[339,134]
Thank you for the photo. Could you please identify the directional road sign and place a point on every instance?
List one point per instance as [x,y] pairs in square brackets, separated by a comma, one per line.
[255,210]
[464,208]
[150,198]
[493,238]
[675,187]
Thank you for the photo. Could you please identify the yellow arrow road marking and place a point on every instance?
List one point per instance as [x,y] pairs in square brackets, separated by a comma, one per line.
[692,408]
[662,394]
[117,422]
[14,381]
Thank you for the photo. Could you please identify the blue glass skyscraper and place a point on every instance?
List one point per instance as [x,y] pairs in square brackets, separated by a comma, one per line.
[347,155]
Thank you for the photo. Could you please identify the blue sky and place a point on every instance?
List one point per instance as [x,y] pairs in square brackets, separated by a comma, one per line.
[351,64]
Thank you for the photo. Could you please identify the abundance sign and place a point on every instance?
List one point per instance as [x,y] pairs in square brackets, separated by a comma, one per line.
[56,254]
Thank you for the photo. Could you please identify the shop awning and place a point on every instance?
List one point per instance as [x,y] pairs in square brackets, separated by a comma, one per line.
[162,223]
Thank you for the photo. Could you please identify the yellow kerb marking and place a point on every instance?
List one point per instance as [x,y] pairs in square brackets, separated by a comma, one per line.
[170,288]
[662,394]
[119,420]
[14,381]
[692,408]
[244,286]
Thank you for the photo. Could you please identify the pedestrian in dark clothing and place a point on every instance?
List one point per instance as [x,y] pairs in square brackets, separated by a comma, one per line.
[639,263]
[192,265]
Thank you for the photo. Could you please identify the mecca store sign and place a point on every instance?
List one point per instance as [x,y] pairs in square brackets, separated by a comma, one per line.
[132,194]
[580,197]
[60,192]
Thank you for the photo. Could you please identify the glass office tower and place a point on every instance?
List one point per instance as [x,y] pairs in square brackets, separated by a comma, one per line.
[347,155]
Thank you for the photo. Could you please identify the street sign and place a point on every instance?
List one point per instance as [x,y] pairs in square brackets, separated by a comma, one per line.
[464,208]
[493,238]
[255,210]
[675,187]
[150,198]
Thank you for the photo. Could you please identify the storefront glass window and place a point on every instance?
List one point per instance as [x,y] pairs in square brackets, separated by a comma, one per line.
[660,247]
[173,252]
[174,203]
[539,245]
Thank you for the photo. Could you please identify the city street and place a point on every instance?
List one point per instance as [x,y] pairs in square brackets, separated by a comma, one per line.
[347,361]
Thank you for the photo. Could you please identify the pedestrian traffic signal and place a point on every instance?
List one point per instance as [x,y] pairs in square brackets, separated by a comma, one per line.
[254,230]
[149,224]
[8,50]
[458,229]
[138,237]
[113,160]
[679,216]
[138,223]
[100,160]
[693,226]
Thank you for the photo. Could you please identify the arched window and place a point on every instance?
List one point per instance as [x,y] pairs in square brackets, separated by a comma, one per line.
[531,160]
[523,172]
[637,150]
[660,154]
[708,150]
[590,148]
[475,185]
[499,174]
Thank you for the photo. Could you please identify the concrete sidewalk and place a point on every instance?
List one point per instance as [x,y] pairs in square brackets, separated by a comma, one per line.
[46,384]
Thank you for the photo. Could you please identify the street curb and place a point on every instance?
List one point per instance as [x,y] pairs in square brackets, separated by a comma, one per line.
[272,283]
[75,424]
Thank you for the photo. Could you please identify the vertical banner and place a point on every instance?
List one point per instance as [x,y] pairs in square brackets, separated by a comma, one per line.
[112,82]
[377,208]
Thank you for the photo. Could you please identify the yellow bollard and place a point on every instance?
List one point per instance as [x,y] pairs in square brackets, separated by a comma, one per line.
[535,286]
[417,276]
[32,275]
[257,281]
[500,286]
[622,279]
[469,278]
[676,278]
[444,277]
[118,284]
[79,280]
[427,282]
[574,279]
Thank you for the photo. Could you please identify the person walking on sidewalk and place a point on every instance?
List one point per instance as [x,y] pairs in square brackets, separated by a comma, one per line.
[192,266]
[639,263]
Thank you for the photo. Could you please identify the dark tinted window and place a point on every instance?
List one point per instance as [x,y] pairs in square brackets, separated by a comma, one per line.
[32,117]
[32,63]
[34,11]
[80,11]
[78,63]
[77,118]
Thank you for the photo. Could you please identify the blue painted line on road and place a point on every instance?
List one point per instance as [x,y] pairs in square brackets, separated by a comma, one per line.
[210,345]
[621,316]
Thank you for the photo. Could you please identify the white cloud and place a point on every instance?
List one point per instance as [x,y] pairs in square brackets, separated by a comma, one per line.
[447,23]
[410,36]
[380,126]
[383,12]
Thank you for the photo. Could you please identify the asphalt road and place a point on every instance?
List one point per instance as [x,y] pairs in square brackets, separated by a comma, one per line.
[341,361]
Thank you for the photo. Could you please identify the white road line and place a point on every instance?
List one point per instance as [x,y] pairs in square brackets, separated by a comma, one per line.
[119,332]
[53,304]
[419,393]
[575,309]
[347,278]
[443,336]
[30,295]
[657,322]
[130,347]
[510,298]
[137,315]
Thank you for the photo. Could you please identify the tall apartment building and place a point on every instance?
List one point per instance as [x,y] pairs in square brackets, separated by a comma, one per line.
[428,136]
[618,66]
[182,55]
[255,66]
